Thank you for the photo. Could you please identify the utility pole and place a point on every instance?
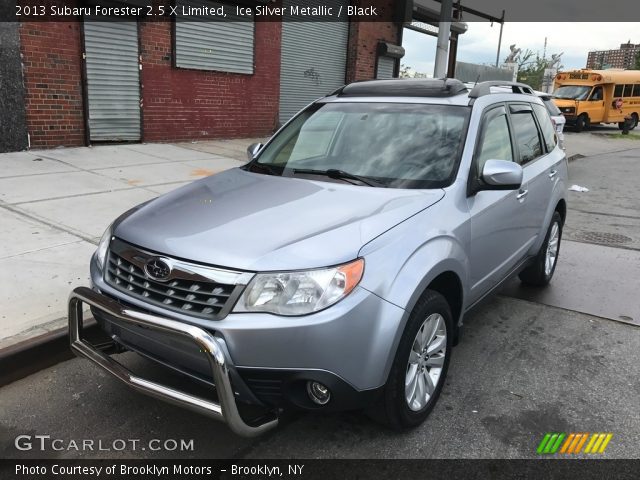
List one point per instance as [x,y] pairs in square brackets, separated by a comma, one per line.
[499,39]
[444,29]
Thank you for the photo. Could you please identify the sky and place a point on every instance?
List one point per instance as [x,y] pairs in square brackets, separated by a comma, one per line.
[480,43]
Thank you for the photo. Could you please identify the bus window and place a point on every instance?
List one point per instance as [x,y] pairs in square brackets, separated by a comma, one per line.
[628,90]
[618,91]
[575,92]
[636,90]
[596,95]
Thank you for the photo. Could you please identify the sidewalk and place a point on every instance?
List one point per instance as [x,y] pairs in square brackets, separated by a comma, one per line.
[55,205]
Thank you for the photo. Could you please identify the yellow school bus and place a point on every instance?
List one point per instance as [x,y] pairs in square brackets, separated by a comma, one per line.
[588,97]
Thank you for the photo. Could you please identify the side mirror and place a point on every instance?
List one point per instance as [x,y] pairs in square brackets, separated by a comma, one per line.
[501,175]
[252,150]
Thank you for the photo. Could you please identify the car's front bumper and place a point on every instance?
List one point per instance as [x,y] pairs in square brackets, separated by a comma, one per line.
[209,347]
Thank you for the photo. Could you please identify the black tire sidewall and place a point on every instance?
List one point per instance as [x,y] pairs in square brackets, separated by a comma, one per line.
[556,218]
[398,412]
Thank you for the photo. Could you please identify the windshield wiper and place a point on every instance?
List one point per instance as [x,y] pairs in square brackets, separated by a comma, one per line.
[340,175]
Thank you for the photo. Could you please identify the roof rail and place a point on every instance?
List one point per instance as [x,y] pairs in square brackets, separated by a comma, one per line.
[408,87]
[484,88]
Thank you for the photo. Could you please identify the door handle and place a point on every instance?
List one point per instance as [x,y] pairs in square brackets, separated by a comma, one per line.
[553,173]
[522,194]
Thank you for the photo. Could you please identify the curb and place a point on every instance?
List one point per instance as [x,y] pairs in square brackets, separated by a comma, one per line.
[37,353]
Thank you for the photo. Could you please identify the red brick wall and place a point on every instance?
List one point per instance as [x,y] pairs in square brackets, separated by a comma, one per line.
[181,104]
[363,42]
[51,55]
[178,104]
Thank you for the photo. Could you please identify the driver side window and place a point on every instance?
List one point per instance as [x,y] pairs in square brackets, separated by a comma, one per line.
[597,94]
[496,141]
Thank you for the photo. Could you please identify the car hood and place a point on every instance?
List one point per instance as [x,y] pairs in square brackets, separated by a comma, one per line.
[248,221]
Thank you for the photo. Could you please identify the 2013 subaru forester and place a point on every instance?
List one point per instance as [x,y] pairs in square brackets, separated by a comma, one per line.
[334,269]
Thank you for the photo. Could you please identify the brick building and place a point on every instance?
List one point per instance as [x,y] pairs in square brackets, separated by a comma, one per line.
[145,80]
[623,57]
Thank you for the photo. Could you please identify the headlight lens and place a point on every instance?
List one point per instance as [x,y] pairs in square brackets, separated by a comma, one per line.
[103,246]
[299,293]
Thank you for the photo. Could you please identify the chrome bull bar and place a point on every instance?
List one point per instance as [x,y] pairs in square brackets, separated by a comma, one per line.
[225,411]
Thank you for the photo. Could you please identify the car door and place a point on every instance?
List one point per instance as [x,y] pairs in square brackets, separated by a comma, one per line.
[498,220]
[541,173]
[594,106]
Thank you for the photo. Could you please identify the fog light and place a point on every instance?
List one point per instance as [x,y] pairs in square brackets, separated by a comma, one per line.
[318,392]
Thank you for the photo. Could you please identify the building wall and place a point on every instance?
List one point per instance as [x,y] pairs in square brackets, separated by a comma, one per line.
[363,42]
[182,104]
[13,126]
[177,104]
[52,63]
[623,57]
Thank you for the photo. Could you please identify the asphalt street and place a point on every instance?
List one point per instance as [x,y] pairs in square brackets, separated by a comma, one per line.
[523,368]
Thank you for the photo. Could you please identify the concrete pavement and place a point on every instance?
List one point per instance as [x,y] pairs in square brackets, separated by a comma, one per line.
[55,205]
[520,370]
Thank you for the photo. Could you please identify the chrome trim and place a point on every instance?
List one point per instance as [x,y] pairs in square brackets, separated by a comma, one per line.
[225,411]
[180,270]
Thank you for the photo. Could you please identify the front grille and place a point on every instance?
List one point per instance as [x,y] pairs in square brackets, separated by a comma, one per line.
[267,390]
[183,291]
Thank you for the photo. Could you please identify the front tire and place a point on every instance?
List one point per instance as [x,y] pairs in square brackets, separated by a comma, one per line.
[420,365]
[541,271]
[582,123]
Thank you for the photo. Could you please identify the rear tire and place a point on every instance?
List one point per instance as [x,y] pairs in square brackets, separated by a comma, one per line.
[420,365]
[634,124]
[582,123]
[541,271]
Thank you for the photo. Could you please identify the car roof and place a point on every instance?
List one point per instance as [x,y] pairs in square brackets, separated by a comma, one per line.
[429,90]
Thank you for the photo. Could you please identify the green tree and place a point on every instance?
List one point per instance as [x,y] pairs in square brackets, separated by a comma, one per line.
[405,71]
[637,65]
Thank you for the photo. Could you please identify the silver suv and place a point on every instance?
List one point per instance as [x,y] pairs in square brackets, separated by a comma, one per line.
[334,269]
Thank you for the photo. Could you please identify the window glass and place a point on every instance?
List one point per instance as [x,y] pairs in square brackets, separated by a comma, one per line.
[548,131]
[596,95]
[636,90]
[526,136]
[628,90]
[399,145]
[496,143]
[551,107]
[617,92]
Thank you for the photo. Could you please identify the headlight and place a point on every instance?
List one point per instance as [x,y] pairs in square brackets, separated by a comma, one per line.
[103,246]
[299,293]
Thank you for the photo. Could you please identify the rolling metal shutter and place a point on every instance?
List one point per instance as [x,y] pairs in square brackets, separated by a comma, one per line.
[313,61]
[113,80]
[386,66]
[221,45]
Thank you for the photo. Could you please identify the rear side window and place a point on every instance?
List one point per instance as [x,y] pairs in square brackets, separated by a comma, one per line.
[617,92]
[526,133]
[628,90]
[636,90]
[551,107]
[496,142]
[548,132]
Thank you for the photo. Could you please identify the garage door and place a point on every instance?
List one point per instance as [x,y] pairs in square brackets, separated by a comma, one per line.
[313,61]
[113,80]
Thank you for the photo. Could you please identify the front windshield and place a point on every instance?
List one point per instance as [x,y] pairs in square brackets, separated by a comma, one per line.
[392,144]
[572,92]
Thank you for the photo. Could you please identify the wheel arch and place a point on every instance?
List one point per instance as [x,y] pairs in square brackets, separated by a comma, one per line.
[561,208]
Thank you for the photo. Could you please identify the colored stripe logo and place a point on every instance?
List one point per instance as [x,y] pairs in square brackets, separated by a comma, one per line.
[573,443]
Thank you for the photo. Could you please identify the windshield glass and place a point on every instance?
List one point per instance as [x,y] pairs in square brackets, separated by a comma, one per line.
[396,145]
[573,92]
